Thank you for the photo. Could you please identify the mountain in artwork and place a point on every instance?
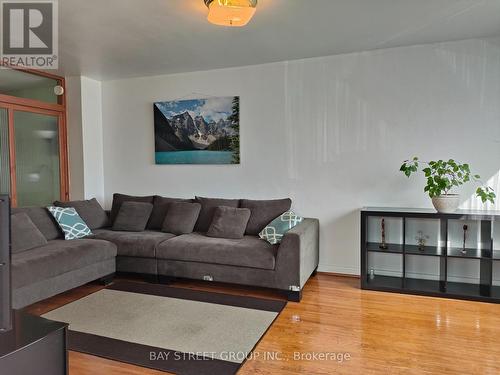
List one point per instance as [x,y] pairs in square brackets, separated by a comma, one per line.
[182,132]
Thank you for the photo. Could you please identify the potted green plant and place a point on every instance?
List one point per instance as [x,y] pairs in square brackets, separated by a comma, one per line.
[442,176]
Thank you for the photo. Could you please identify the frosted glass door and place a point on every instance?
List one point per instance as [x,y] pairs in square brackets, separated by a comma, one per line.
[37,158]
[4,152]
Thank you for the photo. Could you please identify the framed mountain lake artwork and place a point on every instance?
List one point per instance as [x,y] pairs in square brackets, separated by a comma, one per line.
[198,131]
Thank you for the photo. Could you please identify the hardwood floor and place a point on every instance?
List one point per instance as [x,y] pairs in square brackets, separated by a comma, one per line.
[383,333]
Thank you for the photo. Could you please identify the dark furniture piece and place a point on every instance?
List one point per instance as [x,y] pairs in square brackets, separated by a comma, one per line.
[59,265]
[33,346]
[5,296]
[443,267]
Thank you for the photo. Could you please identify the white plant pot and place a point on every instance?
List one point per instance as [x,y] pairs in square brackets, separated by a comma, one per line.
[446,204]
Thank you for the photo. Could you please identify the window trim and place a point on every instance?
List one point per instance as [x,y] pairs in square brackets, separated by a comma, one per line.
[12,103]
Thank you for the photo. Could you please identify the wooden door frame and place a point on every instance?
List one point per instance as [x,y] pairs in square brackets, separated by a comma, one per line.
[12,104]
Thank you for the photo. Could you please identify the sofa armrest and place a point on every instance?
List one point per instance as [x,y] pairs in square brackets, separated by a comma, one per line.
[298,253]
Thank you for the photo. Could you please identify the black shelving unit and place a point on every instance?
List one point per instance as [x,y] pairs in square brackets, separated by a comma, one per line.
[483,254]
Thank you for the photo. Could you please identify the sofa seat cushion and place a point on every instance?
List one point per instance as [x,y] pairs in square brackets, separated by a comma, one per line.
[249,251]
[134,244]
[56,258]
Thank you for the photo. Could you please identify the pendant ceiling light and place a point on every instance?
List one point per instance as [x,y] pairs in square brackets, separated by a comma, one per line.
[230,12]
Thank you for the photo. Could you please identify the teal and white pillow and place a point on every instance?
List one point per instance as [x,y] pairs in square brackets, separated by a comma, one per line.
[276,229]
[70,222]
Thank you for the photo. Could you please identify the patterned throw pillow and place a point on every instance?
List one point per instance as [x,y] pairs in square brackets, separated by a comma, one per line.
[70,222]
[276,229]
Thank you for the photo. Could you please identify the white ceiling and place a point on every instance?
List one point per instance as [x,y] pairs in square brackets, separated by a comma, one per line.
[113,39]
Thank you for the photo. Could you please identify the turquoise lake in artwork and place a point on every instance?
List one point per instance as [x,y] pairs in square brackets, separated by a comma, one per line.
[194,157]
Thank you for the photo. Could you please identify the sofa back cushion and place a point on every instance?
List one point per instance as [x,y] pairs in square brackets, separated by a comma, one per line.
[208,206]
[160,209]
[181,218]
[133,216]
[118,199]
[89,210]
[229,222]
[25,235]
[263,212]
[43,220]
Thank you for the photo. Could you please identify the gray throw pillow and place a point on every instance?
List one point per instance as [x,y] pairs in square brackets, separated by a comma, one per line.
[43,220]
[89,210]
[208,206]
[160,209]
[263,212]
[25,235]
[229,222]
[133,216]
[181,218]
[118,199]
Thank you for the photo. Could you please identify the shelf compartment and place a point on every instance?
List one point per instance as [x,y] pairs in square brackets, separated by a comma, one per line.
[456,252]
[427,250]
[469,290]
[423,285]
[433,287]
[391,248]
[385,282]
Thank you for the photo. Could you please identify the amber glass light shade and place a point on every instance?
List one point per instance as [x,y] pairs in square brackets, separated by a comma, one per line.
[230,12]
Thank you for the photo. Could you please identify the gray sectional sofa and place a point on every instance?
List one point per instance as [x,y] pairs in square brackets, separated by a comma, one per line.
[60,265]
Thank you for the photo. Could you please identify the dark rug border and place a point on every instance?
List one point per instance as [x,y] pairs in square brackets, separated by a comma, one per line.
[139,355]
[272,305]
[176,362]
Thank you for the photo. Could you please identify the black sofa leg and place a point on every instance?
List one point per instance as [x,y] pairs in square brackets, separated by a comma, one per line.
[315,272]
[294,296]
[106,280]
[166,280]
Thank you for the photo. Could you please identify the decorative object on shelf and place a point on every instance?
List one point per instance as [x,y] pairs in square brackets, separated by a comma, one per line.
[442,176]
[465,227]
[230,12]
[198,131]
[421,240]
[371,275]
[382,245]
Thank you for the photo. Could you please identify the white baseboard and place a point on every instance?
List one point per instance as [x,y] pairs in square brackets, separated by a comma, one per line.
[338,269]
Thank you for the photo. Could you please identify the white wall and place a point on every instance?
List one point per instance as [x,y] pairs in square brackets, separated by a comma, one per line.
[92,138]
[329,132]
[75,143]
[85,147]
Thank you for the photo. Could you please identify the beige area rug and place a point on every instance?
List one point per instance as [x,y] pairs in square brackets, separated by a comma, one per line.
[170,329]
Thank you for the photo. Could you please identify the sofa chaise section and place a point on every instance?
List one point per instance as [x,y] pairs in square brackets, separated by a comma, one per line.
[249,261]
[59,265]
